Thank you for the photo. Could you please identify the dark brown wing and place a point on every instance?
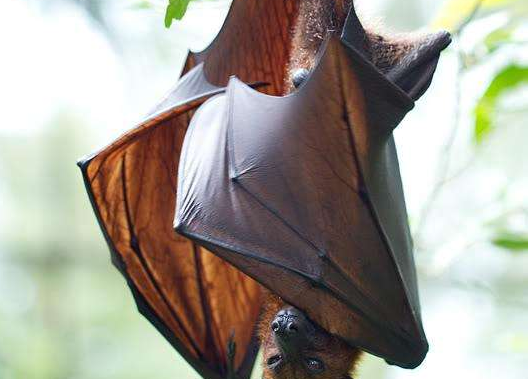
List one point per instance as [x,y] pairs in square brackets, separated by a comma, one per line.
[303,193]
[195,299]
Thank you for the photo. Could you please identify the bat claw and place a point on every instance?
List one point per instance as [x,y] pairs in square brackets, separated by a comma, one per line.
[299,76]
[231,350]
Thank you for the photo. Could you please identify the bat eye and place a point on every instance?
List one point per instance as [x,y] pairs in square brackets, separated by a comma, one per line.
[314,365]
[274,361]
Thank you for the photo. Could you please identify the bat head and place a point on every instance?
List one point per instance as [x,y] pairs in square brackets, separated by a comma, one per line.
[294,347]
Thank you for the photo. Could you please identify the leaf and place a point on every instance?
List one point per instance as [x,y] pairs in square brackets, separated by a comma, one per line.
[142,4]
[505,80]
[169,15]
[498,37]
[176,10]
[511,241]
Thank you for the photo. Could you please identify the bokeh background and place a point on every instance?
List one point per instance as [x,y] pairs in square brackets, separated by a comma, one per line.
[74,74]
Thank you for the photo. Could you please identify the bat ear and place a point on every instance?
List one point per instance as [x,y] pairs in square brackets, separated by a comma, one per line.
[414,61]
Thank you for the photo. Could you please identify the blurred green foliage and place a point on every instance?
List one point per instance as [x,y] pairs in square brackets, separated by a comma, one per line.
[505,81]
[454,12]
[508,79]
[511,241]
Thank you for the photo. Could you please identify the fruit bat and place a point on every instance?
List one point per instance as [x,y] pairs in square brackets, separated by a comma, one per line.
[230,185]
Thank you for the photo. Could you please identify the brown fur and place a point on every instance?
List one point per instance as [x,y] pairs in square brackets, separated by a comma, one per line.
[340,359]
[318,18]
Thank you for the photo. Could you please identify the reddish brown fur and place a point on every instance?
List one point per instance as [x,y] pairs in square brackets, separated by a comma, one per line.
[317,18]
[339,358]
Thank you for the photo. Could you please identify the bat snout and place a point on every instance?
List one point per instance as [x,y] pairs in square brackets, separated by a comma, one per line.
[291,329]
[288,321]
[285,324]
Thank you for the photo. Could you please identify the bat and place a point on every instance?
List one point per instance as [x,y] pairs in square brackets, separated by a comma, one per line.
[297,193]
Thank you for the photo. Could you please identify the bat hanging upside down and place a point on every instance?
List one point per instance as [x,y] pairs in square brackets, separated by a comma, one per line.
[300,194]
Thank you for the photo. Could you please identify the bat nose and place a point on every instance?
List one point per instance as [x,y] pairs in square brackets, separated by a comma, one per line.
[284,325]
[287,322]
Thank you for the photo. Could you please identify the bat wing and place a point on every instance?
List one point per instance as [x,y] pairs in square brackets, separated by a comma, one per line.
[303,192]
[253,44]
[199,302]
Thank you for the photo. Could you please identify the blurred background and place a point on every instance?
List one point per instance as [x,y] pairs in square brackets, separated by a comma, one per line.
[74,74]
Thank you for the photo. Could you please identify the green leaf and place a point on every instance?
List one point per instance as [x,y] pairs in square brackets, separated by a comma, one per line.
[176,9]
[505,80]
[511,241]
[498,37]
[169,15]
